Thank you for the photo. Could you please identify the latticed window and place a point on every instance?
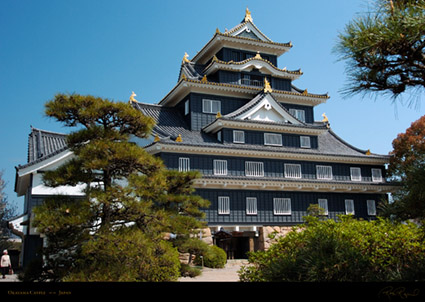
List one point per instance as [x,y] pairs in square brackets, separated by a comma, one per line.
[371,207]
[238,136]
[355,174]
[220,167]
[253,168]
[184,164]
[282,206]
[324,172]
[293,171]
[376,175]
[349,207]
[305,142]
[223,205]
[323,203]
[251,206]
[273,139]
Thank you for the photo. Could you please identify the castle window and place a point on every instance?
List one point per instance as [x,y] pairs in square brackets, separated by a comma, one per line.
[184,164]
[211,106]
[282,206]
[349,207]
[251,206]
[371,208]
[238,136]
[376,175]
[219,137]
[292,170]
[323,203]
[186,107]
[272,139]
[220,167]
[324,172]
[355,174]
[223,205]
[305,142]
[253,168]
[299,114]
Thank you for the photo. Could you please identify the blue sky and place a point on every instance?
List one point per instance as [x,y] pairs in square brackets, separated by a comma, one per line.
[109,48]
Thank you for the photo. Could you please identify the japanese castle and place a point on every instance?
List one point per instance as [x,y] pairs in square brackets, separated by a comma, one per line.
[237,117]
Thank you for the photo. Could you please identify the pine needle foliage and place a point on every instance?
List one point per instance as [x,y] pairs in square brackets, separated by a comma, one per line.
[117,231]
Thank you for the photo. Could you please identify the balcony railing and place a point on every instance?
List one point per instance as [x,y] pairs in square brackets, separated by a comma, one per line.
[257,83]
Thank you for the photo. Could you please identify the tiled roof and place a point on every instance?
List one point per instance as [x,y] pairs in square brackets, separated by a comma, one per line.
[170,124]
[42,143]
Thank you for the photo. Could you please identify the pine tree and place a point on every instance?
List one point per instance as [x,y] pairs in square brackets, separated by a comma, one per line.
[385,48]
[117,231]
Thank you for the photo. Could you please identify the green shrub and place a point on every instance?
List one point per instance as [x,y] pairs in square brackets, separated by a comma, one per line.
[347,250]
[213,257]
[189,271]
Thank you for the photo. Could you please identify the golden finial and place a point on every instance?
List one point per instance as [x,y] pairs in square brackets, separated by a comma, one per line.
[325,118]
[179,138]
[248,15]
[183,76]
[185,58]
[217,31]
[218,115]
[267,87]
[204,79]
[258,56]
[368,152]
[215,59]
[132,99]
[156,139]
[305,92]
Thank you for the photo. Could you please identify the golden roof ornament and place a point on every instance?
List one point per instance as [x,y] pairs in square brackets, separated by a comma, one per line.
[185,58]
[267,87]
[368,152]
[179,138]
[305,92]
[248,15]
[325,118]
[132,99]
[218,115]
[156,139]
[204,79]
[258,56]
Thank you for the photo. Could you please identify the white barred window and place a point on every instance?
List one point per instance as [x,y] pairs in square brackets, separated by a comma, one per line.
[376,175]
[223,205]
[355,174]
[211,106]
[305,142]
[272,139]
[323,203]
[253,168]
[299,114]
[371,207]
[324,172]
[282,206]
[184,164]
[238,136]
[349,207]
[292,170]
[251,206]
[220,167]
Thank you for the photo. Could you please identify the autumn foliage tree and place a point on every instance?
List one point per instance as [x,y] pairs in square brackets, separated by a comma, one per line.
[407,166]
[117,231]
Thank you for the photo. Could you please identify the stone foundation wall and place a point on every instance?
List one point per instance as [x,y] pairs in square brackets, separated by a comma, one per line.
[265,241]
